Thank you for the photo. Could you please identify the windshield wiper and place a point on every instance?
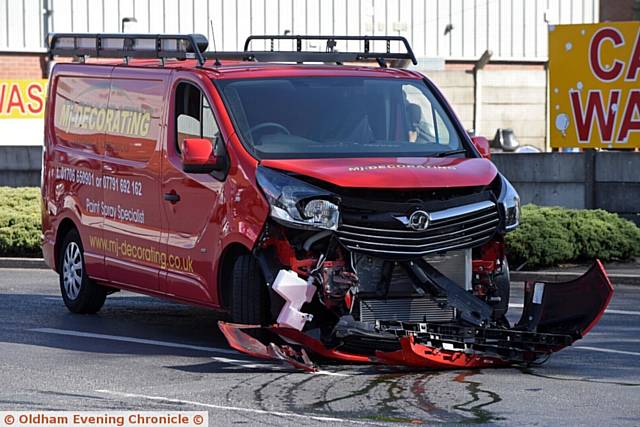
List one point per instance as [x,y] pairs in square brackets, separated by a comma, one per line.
[450,153]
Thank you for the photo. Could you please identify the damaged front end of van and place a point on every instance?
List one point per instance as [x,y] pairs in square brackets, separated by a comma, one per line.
[414,278]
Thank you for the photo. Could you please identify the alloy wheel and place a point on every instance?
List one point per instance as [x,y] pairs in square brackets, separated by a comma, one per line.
[72,270]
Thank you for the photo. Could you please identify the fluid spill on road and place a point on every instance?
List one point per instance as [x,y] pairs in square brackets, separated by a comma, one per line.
[478,411]
[387,396]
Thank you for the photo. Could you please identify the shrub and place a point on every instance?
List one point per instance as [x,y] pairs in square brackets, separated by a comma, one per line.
[543,237]
[20,228]
[550,235]
[605,235]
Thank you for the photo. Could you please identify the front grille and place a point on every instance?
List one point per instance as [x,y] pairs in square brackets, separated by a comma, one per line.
[404,310]
[458,227]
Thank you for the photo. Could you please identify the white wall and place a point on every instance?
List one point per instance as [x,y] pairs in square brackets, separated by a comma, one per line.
[509,98]
[21,131]
[514,99]
[513,29]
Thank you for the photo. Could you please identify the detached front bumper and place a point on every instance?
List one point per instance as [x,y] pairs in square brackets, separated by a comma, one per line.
[555,315]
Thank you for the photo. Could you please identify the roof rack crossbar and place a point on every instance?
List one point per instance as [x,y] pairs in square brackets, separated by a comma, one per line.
[122,45]
[302,57]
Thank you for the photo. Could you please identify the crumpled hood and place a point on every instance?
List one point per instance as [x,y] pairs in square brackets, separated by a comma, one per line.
[400,172]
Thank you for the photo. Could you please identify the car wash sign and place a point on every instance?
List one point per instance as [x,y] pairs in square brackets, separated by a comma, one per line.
[594,82]
[22,111]
[22,99]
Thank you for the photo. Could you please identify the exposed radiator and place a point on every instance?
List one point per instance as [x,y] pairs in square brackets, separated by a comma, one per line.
[405,310]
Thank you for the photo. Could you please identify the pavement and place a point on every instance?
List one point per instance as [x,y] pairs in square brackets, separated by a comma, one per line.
[141,353]
[16,262]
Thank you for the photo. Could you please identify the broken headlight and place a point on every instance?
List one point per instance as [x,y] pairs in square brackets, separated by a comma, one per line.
[296,203]
[509,201]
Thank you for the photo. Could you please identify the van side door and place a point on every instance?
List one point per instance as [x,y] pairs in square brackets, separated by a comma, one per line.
[131,177]
[74,159]
[193,203]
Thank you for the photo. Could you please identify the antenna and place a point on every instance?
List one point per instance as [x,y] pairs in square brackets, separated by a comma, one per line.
[215,49]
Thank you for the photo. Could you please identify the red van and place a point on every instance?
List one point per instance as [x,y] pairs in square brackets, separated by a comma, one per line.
[326,205]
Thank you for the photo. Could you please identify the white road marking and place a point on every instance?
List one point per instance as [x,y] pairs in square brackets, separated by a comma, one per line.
[247,365]
[609,310]
[271,366]
[606,350]
[631,313]
[237,362]
[133,340]
[236,409]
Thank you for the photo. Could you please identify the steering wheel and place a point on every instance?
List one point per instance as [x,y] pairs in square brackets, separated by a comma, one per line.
[269,125]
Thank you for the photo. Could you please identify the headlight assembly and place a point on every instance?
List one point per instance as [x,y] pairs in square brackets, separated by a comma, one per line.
[296,203]
[509,200]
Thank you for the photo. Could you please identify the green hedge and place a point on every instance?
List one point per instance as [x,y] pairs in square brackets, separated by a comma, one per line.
[546,236]
[550,235]
[20,221]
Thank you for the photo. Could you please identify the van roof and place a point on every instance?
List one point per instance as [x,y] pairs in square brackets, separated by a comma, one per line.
[243,69]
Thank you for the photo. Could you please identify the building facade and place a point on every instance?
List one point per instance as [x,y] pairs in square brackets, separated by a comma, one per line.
[515,30]
[448,36]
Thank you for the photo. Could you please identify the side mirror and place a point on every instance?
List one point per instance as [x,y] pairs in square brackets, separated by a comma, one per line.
[482,145]
[197,156]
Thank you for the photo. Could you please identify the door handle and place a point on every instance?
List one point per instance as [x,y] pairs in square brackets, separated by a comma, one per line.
[172,197]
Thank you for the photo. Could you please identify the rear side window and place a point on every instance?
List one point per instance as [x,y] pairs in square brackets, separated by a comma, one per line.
[80,112]
[194,117]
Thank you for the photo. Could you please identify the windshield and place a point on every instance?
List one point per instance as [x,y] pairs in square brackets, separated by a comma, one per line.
[322,117]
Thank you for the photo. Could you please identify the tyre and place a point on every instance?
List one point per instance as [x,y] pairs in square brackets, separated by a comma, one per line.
[249,296]
[80,294]
[502,281]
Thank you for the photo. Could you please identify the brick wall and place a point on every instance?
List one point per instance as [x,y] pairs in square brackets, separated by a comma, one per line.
[619,10]
[21,65]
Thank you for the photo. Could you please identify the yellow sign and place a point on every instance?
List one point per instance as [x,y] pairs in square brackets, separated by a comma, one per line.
[22,99]
[594,85]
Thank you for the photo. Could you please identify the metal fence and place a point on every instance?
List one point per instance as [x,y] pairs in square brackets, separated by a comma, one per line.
[450,29]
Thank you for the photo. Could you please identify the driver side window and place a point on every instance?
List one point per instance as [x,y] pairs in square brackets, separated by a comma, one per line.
[425,123]
[194,117]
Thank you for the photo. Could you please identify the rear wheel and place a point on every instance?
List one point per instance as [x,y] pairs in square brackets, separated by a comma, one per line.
[79,292]
[249,296]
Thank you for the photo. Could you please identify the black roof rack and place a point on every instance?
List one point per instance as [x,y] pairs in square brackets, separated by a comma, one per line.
[330,54]
[122,45]
[183,46]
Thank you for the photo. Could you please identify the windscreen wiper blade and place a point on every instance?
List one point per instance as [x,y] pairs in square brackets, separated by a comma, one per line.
[451,153]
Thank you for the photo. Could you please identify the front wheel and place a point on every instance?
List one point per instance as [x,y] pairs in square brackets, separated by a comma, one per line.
[80,294]
[249,296]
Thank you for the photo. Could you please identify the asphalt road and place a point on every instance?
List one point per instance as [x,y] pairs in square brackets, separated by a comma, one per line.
[144,353]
